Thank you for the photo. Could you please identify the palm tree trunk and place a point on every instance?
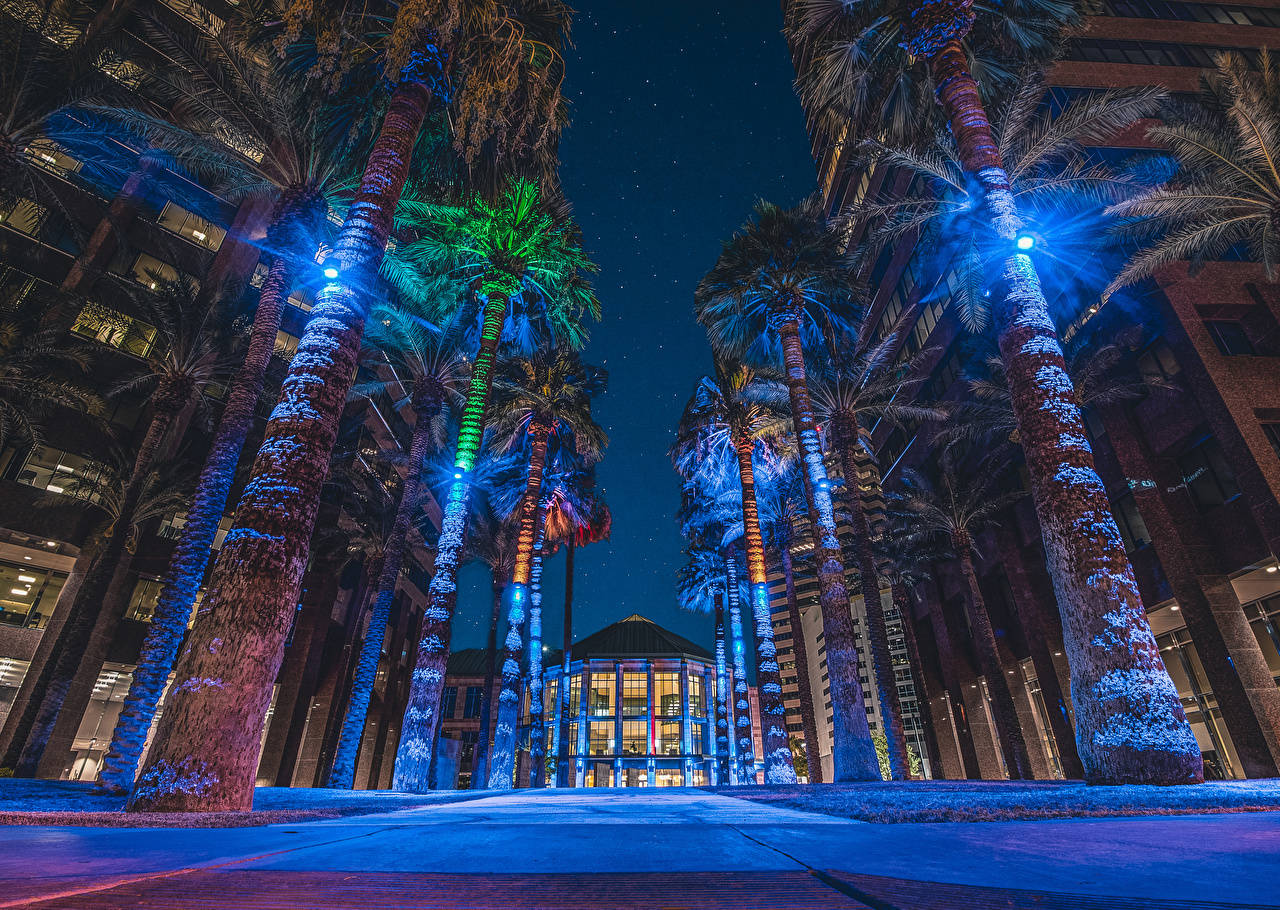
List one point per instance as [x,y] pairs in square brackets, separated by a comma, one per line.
[1130,725]
[31,735]
[563,766]
[537,714]
[502,766]
[778,765]
[480,764]
[422,712]
[846,438]
[1008,729]
[902,602]
[343,772]
[800,651]
[205,751]
[722,698]
[738,652]
[191,553]
[853,754]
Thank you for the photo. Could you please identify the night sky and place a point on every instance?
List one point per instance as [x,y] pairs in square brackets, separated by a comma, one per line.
[682,115]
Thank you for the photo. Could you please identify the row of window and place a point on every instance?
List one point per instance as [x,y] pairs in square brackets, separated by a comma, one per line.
[1149,53]
[1173,10]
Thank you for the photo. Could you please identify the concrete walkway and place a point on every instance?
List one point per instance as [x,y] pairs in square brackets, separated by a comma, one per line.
[647,848]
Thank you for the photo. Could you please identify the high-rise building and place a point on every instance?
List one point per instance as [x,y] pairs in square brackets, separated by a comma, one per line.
[1192,468]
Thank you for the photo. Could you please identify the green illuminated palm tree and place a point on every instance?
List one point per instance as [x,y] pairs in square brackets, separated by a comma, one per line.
[781,282]
[1226,191]
[1130,724]
[538,400]
[201,756]
[735,411]
[521,250]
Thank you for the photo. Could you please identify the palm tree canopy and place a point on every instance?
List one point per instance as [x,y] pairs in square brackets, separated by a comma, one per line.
[783,263]
[576,509]
[34,369]
[1061,189]
[734,405]
[962,502]
[1225,193]
[862,72]
[702,579]
[552,392]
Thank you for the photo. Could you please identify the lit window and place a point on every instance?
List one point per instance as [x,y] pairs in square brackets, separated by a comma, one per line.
[113,328]
[668,737]
[286,344]
[191,226]
[150,272]
[601,738]
[24,216]
[146,595]
[58,471]
[635,738]
[697,697]
[27,596]
[600,702]
[666,693]
[635,693]
[48,156]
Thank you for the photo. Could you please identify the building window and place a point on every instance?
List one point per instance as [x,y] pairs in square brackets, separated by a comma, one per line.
[115,329]
[601,738]
[697,697]
[24,216]
[171,525]
[697,732]
[669,735]
[15,287]
[191,226]
[1150,53]
[1229,337]
[600,702]
[150,272]
[1193,12]
[1157,362]
[471,707]
[286,344]
[27,594]
[666,693]
[1132,528]
[146,595]
[575,694]
[448,701]
[1207,476]
[635,693]
[550,698]
[59,471]
[635,739]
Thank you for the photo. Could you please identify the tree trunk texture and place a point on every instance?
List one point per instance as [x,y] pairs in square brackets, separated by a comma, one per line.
[846,433]
[422,713]
[205,750]
[722,698]
[537,714]
[191,554]
[1030,614]
[800,651]
[738,650]
[564,767]
[480,762]
[393,551]
[778,765]
[1130,725]
[1008,729]
[1229,652]
[31,734]
[853,754]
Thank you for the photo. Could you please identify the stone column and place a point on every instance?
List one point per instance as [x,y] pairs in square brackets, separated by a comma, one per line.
[686,725]
[617,722]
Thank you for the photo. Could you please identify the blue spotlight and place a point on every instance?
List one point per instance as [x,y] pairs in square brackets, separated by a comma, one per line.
[1025,242]
[330,272]
[457,475]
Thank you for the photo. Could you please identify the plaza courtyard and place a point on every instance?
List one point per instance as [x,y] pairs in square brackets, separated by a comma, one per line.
[648,848]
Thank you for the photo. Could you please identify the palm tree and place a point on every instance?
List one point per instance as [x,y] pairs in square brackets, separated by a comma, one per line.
[735,411]
[701,587]
[189,355]
[1226,189]
[954,512]
[201,755]
[421,364]
[1130,724]
[33,366]
[543,398]
[577,515]
[780,282]
[780,497]
[522,248]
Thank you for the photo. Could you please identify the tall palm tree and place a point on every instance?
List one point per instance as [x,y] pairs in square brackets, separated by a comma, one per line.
[780,282]
[859,382]
[577,515]
[1226,189]
[538,400]
[735,411]
[189,356]
[953,512]
[702,587]
[419,362]
[781,501]
[525,248]
[201,755]
[1130,724]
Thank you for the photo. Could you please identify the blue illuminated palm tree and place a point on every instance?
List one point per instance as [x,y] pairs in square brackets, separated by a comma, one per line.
[781,281]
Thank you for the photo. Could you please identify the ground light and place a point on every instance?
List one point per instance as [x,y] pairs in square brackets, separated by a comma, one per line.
[1025,242]
[330,272]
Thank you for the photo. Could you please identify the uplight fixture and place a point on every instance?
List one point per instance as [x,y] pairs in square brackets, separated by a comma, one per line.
[1025,242]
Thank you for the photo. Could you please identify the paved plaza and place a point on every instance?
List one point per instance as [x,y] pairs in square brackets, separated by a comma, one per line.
[662,848]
